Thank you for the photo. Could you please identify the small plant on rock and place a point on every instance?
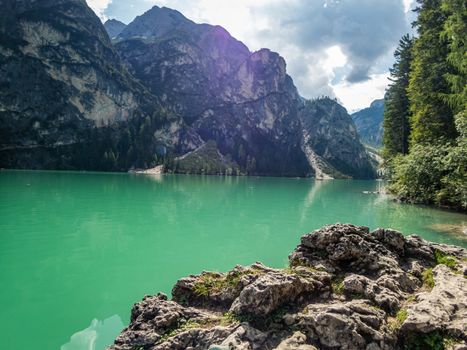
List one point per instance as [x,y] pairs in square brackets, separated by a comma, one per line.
[448,260]
[428,279]
[338,285]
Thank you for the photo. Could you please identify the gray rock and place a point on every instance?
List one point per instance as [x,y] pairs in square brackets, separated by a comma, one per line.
[363,282]
[271,291]
[444,307]
[296,341]
[350,325]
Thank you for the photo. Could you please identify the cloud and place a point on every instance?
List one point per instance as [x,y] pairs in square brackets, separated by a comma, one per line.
[360,95]
[99,7]
[327,44]
[365,30]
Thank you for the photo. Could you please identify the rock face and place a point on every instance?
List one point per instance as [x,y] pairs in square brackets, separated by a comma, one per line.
[165,89]
[369,123]
[346,288]
[331,142]
[243,101]
[66,99]
[114,27]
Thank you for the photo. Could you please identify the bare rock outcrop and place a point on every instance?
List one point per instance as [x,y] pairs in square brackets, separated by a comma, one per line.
[346,288]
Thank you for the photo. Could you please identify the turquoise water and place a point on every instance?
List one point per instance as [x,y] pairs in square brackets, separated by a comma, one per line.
[78,249]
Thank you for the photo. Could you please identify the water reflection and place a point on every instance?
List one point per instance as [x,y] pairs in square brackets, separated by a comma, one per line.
[97,336]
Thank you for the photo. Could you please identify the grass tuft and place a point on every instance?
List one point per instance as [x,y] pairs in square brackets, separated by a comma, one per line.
[448,260]
[212,283]
[428,279]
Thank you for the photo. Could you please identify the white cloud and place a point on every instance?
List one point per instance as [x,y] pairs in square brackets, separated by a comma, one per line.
[408,5]
[323,45]
[360,95]
[99,6]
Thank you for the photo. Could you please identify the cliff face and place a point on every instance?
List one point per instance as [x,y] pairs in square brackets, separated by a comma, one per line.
[71,99]
[346,288]
[331,141]
[369,123]
[66,99]
[243,101]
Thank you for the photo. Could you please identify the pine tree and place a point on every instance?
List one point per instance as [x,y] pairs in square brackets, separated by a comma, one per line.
[455,32]
[432,119]
[397,113]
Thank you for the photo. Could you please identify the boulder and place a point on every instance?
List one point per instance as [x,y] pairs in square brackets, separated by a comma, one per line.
[346,288]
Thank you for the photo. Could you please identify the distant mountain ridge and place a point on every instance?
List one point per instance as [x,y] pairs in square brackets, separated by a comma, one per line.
[166,87]
[369,123]
[114,27]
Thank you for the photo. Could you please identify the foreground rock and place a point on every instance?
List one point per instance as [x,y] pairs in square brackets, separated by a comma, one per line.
[346,288]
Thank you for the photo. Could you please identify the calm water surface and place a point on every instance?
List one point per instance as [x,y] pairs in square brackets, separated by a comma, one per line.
[78,249]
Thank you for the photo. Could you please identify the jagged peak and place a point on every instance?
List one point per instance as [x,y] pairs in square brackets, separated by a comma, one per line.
[157,22]
[114,27]
[114,21]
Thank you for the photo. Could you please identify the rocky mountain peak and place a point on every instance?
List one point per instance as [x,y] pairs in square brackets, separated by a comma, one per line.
[213,91]
[114,27]
[157,22]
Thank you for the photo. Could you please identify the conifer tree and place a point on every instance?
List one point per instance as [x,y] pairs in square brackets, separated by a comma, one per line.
[397,113]
[432,118]
[455,32]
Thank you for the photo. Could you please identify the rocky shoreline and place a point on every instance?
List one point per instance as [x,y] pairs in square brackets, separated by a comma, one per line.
[345,288]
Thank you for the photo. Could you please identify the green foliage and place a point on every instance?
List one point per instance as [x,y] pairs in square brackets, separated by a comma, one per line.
[211,282]
[447,260]
[432,118]
[428,279]
[337,285]
[435,170]
[417,176]
[229,318]
[425,341]
[401,316]
[205,160]
[397,114]
[454,32]
[396,322]
[432,174]
[453,190]
[183,325]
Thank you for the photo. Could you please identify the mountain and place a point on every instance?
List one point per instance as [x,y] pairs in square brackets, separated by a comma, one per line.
[114,27]
[243,101]
[330,140]
[167,90]
[369,122]
[67,101]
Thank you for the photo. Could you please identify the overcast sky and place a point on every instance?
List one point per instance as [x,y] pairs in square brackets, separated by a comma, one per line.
[338,48]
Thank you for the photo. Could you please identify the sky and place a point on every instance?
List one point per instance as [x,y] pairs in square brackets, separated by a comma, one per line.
[336,48]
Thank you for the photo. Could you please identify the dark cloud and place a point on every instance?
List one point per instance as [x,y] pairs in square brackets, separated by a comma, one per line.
[364,29]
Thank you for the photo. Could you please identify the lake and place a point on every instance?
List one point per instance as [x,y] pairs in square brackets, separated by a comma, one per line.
[78,249]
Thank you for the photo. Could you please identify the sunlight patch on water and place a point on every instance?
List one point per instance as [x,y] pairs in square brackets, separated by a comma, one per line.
[97,336]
